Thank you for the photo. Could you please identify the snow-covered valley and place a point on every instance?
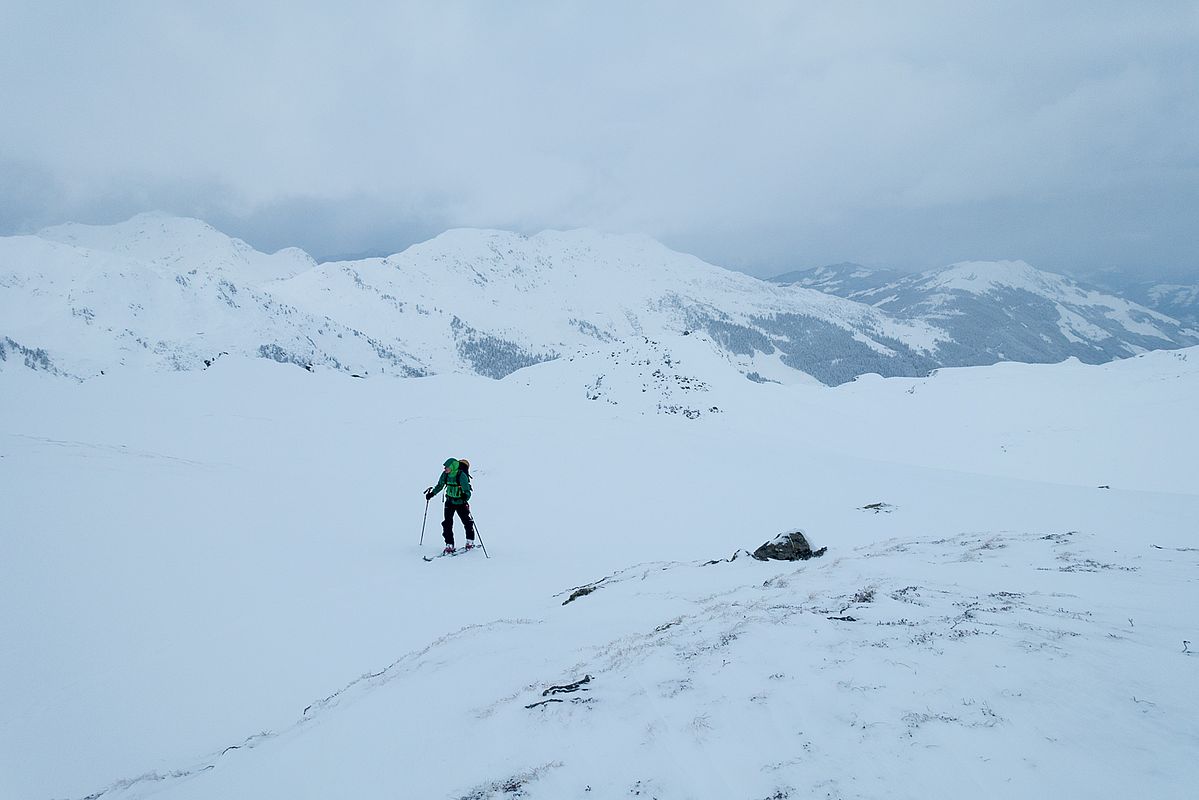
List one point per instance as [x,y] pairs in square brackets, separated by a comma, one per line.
[213,587]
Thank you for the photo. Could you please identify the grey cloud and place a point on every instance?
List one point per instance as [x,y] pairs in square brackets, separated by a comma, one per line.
[754,134]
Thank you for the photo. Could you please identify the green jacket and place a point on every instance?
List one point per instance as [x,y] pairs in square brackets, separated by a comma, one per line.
[456,483]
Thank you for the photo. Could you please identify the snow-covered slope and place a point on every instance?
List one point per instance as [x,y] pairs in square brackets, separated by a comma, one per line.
[178,245]
[1006,311]
[161,292]
[1180,301]
[213,587]
[1177,296]
[492,302]
[846,279]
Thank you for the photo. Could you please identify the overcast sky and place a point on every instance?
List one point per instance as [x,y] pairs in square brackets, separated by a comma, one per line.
[764,136]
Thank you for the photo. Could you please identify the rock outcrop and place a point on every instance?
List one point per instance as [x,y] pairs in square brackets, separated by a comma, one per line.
[788,546]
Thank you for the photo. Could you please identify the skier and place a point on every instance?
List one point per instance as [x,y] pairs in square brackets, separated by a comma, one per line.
[455,479]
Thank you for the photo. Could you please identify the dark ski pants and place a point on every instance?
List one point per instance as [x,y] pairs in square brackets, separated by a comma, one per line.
[447,524]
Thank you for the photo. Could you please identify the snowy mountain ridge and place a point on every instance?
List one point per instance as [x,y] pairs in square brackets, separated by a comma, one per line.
[1005,310]
[175,293]
[80,311]
[1177,297]
[981,277]
[487,302]
[180,244]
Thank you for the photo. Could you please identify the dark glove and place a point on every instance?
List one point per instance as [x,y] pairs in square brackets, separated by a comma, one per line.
[429,493]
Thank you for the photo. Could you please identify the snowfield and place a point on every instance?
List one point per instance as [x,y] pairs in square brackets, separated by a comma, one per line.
[213,588]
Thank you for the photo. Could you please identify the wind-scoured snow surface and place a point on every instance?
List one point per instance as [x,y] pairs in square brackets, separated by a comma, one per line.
[213,588]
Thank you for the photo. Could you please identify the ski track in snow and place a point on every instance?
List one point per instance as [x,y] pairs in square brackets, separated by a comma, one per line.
[92,450]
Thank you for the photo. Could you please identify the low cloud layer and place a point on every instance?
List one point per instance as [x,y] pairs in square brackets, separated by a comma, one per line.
[763,136]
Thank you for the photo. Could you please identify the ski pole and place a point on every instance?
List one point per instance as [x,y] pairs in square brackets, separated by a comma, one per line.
[480,538]
[423,521]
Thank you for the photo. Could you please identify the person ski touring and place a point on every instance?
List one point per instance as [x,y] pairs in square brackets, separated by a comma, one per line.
[455,479]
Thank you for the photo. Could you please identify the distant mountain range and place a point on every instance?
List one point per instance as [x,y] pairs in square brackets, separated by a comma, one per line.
[1176,296]
[1005,311]
[171,293]
[1180,301]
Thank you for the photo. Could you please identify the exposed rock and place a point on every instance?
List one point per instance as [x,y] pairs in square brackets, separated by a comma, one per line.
[582,591]
[788,546]
[568,688]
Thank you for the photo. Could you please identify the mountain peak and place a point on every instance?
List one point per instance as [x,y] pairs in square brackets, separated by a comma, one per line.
[583,254]
[980,277]
[155,225]
[165,241]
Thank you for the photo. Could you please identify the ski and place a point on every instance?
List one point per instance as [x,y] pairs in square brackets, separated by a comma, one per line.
[455,553]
